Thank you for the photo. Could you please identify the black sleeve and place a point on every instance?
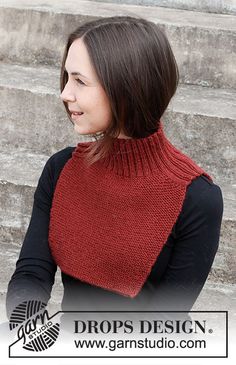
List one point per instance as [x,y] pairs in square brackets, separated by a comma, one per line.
[35,270]
[196,243]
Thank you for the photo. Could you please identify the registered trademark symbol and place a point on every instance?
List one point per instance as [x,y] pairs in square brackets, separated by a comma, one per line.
[210,330]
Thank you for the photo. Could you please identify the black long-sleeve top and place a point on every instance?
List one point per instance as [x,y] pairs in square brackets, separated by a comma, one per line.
[177,276]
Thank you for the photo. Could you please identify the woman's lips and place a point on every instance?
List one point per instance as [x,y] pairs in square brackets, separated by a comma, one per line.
[75,112]
[76,115]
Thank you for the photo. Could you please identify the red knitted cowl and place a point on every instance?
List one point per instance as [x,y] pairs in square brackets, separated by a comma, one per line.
[110,221]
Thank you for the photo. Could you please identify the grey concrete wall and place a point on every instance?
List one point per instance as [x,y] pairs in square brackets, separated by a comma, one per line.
[210,6]
[204,44]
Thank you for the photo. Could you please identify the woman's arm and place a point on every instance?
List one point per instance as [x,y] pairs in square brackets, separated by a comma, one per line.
[35,270]
[195,245]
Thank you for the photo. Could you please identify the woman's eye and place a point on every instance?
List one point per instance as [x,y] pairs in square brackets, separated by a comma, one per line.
[79,81]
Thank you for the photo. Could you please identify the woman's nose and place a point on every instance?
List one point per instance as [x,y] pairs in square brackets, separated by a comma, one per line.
[66,95]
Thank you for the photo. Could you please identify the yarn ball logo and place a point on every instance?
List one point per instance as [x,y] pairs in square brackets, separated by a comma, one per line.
[34,326]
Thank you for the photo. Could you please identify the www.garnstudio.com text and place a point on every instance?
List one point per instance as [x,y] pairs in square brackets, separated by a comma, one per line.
[146,343]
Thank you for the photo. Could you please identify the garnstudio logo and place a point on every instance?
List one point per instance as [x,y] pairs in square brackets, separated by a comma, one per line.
[34,326]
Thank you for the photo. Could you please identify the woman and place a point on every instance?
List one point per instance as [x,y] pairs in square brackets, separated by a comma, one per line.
[131,221]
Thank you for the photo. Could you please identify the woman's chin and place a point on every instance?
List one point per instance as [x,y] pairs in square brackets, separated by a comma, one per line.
[83,131]
[80,130]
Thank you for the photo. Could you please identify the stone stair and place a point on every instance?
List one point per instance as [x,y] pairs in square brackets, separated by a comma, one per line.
[202,42]
[209,6]
[34,125]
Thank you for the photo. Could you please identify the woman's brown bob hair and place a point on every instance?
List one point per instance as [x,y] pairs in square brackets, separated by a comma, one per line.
[136,67]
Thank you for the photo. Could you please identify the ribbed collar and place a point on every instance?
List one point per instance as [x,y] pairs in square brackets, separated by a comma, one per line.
[136,156]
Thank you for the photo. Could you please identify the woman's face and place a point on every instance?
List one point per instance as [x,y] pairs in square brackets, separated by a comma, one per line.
[83,93]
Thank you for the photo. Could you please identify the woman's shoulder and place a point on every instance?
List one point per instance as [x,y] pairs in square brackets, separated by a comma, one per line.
[51,171]
[203,203]
[202,190]
[59,158]
[57,161]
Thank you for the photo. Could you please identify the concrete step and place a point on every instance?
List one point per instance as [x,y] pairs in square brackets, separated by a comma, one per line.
[18,179]
[218,297]
[32,117]
[209,6]
[20,171]
[31,113]
[202,42]
[214,296]
[201,122]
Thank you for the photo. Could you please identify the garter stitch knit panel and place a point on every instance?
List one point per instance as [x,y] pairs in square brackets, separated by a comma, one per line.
[110,221]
